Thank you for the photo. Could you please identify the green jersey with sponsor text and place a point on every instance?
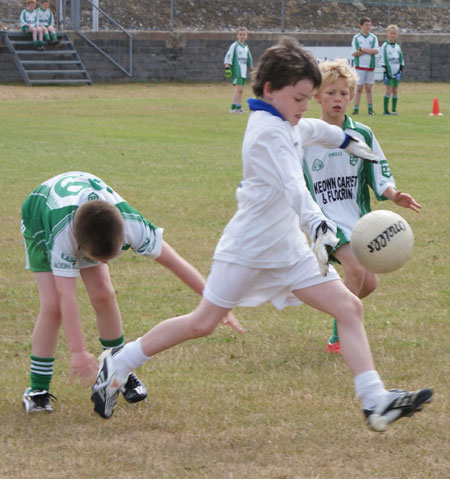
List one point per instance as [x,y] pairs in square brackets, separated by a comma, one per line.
[340,182]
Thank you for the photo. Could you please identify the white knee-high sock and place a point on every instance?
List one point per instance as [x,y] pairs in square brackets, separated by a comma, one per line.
[369,388]
[129,358]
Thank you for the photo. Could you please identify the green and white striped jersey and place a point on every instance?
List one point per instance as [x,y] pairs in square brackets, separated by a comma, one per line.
[339,182]
[239,58]
[28,18]
[392,58]
[48,212]
[45,17]
[365,61]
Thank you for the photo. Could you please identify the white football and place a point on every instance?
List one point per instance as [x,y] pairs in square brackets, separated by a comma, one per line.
[382,241]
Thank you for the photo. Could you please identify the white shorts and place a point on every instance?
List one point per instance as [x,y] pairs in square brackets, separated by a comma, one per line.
[365,76]
[230,284]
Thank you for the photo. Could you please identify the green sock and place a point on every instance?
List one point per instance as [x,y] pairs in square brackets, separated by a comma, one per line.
[46,37]
[41,372]
[369,107]
[386,103]
[35,43]
[112,343]
[356,108]
[335,337]
[54,37]
[394,102]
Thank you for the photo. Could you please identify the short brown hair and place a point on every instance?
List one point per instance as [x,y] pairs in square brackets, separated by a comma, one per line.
[285,64]
[98,229]
[363,20]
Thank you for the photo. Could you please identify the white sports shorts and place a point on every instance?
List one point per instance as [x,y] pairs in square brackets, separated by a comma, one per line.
[365,76]
[229,285]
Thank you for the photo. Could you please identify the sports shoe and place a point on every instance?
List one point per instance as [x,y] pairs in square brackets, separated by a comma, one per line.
[386,113]
[37,401]
[394,113]
[371,112]
[333,347]
[395,405]
[355,112]
[106,387]
[133,390]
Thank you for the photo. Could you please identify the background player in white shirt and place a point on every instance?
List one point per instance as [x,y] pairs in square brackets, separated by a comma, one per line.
[365,48]
[238,62]
[263,255]
[393,63]
[46,20]
[72,225]
[28,24]
[339,182]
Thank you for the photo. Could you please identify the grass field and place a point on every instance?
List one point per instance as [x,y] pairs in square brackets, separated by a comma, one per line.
[269,404]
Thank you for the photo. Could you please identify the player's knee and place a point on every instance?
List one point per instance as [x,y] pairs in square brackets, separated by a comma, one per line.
[103,294]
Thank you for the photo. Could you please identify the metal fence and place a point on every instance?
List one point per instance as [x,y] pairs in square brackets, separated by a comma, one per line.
[258,15]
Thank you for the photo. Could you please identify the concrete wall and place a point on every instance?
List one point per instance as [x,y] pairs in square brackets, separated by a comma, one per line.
[198,56]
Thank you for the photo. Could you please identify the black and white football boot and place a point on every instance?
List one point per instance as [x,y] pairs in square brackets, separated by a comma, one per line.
[133,390]
[37,401]
[395,405]
[107,386]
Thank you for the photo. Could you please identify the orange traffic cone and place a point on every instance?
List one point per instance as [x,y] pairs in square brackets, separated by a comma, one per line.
[436,111]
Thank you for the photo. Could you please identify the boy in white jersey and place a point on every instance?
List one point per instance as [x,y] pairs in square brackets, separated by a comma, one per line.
[72,225]
[46,21]
[238,61]
[393,63]
[28,24]
[364,50]
[263,255]
[340,182]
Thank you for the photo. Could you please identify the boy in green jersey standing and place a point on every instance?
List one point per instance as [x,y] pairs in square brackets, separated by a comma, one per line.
[238,61]
[339,182]
[393,63]
[364,50]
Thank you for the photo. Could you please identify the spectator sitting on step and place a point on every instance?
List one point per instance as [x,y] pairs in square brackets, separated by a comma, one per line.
[46,21]
[28,24]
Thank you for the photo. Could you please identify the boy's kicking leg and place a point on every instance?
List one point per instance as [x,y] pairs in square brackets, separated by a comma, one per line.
[115,366]
[380,406]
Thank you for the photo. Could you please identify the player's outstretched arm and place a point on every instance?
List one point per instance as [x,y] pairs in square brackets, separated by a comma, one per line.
[402,199]
[171,260]
[359,148]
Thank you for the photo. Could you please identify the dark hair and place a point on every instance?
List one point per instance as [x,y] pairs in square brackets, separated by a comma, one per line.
[285,64]
[98,229]
[363,20]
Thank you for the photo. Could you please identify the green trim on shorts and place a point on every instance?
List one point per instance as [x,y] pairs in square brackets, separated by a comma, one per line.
[239,81]
[26,29]
[38,259]
[342,241]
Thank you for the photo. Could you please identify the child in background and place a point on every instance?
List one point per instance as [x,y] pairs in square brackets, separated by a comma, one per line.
[28,24]
[46,21]
[72,225]
[339,182]
[238,61]
[263,255]
[393,63]
[364,49]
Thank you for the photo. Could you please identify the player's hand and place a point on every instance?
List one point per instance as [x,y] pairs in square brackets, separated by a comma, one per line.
[324,241]
[406,201]
[398,76]
[360,149]
[385,79]
[83,366]
[227,72]
[230,320]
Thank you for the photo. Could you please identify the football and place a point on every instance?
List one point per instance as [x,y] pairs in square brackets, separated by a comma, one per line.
[382,241]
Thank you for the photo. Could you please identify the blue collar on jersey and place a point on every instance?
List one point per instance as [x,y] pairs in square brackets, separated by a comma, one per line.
[259,105]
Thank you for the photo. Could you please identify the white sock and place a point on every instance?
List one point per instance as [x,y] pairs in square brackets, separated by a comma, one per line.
[369,388]
[129,358]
